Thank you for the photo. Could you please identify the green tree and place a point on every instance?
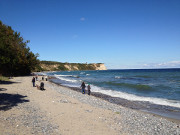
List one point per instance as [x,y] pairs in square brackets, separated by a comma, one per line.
[15,57]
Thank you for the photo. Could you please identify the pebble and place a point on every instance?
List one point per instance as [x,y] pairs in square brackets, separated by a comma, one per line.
[33,119]
[130,121]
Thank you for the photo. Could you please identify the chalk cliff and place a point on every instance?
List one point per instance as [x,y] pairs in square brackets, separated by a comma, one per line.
[58,66]
[99,66]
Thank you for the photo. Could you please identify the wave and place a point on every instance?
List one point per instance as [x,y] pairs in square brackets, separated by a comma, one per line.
[159,101]
[62,75]
[134,86]
[143,76]
[65,79]
[131,78]
[117,77]
[82,73]
[75,76]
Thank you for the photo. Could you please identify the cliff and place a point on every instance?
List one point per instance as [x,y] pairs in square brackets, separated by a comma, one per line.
[58,66]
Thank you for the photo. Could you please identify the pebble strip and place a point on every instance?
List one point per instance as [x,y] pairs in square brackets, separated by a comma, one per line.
[32,121]
[131,122]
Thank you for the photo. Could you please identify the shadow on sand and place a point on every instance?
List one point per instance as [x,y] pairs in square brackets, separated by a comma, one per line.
[7,82]
[3,89]
[7,101]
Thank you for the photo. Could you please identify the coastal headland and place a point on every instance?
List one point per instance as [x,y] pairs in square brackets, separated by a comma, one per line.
[59,110]
[59,66]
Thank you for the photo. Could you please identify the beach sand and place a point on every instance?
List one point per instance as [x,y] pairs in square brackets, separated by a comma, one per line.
[25,110]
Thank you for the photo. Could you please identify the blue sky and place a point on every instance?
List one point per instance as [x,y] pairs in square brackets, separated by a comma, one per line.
[120,33]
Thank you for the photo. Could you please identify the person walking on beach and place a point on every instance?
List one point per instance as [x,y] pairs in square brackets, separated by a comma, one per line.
[36,78]
[89,89]
[33,81]
[83,87]
[46,78]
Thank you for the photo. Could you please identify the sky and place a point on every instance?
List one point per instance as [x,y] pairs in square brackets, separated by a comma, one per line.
[123,34]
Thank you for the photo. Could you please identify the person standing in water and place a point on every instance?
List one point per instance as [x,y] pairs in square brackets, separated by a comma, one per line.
[89,89]
[83,87]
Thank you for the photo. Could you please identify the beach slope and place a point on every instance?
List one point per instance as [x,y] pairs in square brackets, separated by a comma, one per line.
[59,110]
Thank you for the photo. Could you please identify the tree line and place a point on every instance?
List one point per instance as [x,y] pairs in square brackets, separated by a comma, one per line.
[15,56]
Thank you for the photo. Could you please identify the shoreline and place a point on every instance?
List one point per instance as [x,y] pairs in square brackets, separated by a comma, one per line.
[61,110]
[158,110]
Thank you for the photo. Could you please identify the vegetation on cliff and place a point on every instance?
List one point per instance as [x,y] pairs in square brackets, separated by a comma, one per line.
[58,66]
[16,58]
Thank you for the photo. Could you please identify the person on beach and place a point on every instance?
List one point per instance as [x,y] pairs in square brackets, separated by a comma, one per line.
[42,86]
[89,89]
[33,81]
[83,87]
[46,78]
[43,78]
[36,78]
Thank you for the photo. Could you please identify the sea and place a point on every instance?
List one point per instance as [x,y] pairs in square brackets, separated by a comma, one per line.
[155,91]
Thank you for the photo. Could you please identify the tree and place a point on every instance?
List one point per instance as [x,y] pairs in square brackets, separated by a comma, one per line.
[15,57]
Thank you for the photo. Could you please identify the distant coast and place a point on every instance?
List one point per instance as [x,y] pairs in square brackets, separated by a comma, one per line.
[59,66]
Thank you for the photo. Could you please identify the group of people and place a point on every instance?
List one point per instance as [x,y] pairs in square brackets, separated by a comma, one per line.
[83,86]
[41,87]
[44,78]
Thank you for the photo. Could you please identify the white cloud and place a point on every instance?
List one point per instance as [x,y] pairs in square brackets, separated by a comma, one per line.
[82,19]
[170,64]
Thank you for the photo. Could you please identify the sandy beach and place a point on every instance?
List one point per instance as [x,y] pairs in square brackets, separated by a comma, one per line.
[25,110]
